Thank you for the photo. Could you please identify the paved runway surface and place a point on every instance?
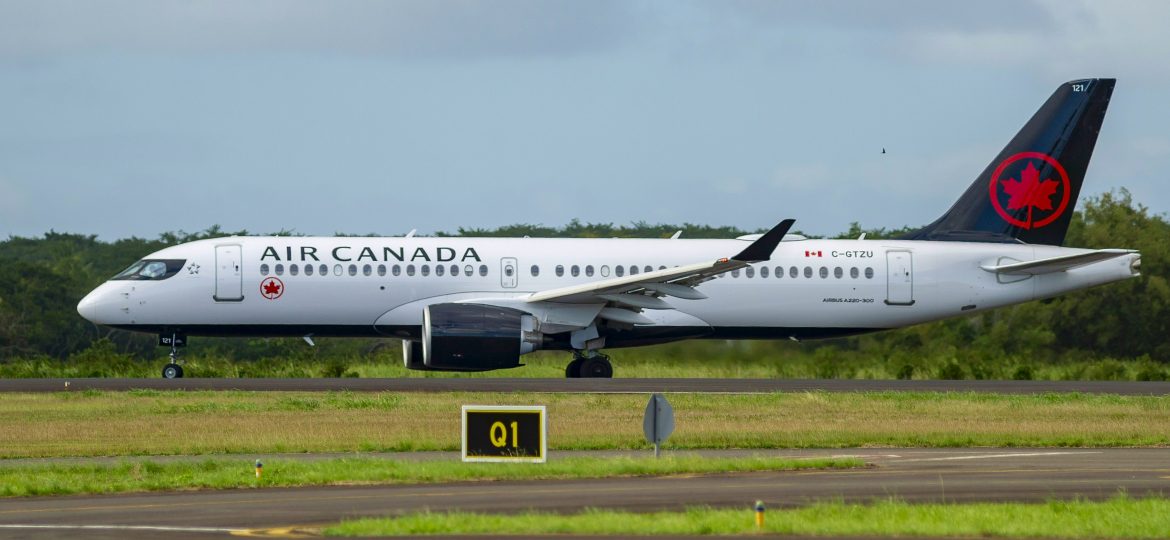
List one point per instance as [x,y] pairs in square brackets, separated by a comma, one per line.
[953,475]
[589,385]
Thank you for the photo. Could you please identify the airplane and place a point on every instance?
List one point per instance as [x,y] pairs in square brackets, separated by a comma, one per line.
[479,304]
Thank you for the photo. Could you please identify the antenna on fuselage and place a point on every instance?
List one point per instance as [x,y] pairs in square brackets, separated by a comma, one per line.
[411,233]
[676,235]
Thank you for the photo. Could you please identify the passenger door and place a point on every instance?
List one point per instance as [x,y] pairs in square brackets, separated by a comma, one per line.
[899,278]
[229,275]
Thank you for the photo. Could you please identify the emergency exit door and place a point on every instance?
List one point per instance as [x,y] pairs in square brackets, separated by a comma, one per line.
[508,271]
[229,275]
[899,278]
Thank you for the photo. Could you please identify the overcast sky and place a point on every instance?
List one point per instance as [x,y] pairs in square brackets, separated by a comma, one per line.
[124,118]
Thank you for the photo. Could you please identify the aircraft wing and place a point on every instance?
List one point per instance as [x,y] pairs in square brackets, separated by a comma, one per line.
[1056,264]
[644,291]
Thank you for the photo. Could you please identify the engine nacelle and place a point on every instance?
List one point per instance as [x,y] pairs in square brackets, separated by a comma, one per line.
[412,356]
[471,337]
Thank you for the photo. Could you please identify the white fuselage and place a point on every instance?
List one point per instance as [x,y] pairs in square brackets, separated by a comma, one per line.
[379,286]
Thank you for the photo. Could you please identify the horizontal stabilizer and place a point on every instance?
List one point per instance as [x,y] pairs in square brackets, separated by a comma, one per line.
[1056,264]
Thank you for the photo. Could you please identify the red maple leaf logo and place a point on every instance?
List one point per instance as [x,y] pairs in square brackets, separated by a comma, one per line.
[271,288]
[1029,191]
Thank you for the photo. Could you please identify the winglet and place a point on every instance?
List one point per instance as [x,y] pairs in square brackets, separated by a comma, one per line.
[761,249]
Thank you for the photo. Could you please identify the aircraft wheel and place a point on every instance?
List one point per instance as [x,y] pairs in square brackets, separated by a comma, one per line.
[597,367]
[573,370]
[172,371]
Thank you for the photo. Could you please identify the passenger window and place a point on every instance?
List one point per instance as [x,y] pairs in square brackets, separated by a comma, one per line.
[853,272]
[604,270]
[508,270]
[749,272]
[367,270]
[763,271]
[779,271]
[293,270]
[410,269]
[824,272]
[353,269]
[662,267]
[264,269]
[337,269]
[483,270]
[619,271]
[323,270]
[467,269]
[535,270]
[868,273]
[308,269]
[838,273]
[381,270]
[560,270]
[439,269]
[589,270]
[454,269]
[280,269]
[735,273]
[575,270]
[633,269]
[396,270]
[793,272]
[648,268]
[424,269]
[808,272]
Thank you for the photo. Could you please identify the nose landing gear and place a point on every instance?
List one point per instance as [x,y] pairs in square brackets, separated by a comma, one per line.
[589,364]
[173,370]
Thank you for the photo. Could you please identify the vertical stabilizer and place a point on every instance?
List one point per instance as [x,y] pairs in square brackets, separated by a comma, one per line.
[1028,192]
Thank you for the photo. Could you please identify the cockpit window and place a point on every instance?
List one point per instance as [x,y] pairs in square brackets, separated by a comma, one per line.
[151,270]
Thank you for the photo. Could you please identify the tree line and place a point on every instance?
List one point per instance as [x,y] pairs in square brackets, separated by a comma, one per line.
[43,278]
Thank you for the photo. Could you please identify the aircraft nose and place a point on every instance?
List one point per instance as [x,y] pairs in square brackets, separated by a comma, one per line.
[88,307]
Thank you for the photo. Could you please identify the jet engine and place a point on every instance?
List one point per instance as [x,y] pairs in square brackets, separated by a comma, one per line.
[471,337]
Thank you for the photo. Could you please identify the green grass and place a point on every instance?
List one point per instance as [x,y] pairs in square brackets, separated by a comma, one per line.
[98,423]
[221,473]
[1120,517]
[915,357]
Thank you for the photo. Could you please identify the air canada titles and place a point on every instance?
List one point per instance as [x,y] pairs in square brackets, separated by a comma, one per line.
[371,254]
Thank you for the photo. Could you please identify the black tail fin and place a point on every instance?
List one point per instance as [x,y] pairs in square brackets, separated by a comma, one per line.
[1027,194]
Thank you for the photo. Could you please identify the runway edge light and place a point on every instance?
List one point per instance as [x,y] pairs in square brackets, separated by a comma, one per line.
[759,514]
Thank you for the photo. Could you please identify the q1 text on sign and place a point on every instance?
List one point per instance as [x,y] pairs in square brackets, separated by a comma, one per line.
[505,433]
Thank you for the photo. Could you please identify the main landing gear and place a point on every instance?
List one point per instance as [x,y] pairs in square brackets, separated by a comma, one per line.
[589,364]
[173,370]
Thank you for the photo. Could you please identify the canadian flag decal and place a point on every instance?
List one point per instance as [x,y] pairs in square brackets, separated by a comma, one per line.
[813,254]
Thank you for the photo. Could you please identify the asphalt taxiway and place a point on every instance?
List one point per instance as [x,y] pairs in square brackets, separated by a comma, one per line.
[917,475]
[590,385]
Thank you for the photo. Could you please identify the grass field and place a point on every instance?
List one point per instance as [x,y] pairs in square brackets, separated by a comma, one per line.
[222,473]
[1120,517]
[93,423]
